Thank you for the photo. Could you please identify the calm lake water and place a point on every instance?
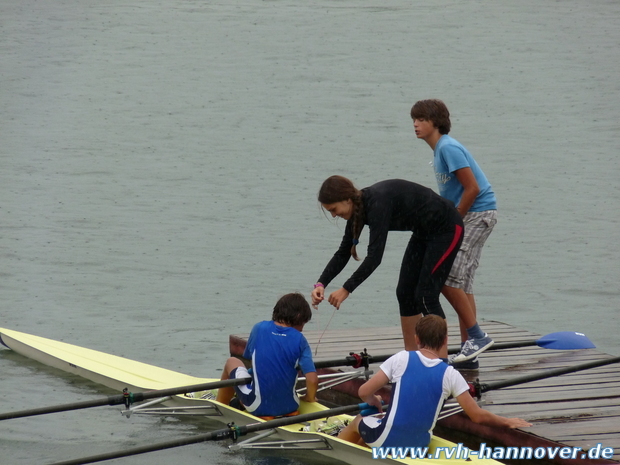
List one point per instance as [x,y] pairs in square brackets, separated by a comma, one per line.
[160,163]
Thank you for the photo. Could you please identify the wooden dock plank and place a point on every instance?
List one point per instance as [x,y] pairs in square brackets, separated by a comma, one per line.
[562,411]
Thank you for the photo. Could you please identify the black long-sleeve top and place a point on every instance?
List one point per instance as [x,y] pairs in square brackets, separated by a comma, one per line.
[392,205]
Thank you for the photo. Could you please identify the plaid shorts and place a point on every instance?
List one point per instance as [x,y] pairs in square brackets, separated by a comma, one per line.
[478,227]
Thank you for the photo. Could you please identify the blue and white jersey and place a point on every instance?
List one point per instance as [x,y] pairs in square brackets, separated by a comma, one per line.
[419,388]
[451,156]
[276,353]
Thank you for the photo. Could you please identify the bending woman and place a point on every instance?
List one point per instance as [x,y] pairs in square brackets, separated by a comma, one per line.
[393,205]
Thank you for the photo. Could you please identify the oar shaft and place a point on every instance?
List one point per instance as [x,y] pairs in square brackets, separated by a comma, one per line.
[53,409]
[547,374]
[352,361]
[504,345]
[193,388]
[121,398]
[218,434]
[349,361]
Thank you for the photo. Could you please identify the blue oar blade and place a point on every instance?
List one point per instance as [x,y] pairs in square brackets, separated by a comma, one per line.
[565,340]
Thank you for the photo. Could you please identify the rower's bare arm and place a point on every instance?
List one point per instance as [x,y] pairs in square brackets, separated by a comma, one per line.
[368,389]
[484,417]
[312,384]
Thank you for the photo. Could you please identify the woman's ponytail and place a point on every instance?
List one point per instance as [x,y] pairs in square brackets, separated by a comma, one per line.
[358,223]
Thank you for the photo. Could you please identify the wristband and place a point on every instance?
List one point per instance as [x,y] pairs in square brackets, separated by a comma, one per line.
[318,285]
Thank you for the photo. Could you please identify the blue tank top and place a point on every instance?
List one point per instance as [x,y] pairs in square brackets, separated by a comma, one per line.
[416,400]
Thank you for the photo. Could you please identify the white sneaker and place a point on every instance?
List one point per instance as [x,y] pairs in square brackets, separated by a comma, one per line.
[472,348]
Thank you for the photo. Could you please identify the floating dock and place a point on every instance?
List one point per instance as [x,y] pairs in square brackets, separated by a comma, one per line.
[580,409]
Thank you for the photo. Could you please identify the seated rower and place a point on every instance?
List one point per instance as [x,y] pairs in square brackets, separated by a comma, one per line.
[421,383]
[277,349]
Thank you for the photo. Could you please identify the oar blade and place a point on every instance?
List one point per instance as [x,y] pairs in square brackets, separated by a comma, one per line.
[565,340]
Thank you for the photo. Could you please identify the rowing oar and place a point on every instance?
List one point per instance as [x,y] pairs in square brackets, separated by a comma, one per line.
[127,398]
[230,432]
[477,388]
[563,340]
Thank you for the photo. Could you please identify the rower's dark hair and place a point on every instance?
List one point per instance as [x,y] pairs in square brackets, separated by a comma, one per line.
[292,310]
[432,331]
[433,110]
[337,189]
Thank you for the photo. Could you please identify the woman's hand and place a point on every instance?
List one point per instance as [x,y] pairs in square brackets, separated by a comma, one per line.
[337,297]
[318,295]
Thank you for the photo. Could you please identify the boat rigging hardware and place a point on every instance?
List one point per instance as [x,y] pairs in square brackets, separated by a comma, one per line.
[299,444]
[476,389]
[143,409]
[234,432]
[361,359]
[242,444]
[127,398]
[210,409]
[336,379]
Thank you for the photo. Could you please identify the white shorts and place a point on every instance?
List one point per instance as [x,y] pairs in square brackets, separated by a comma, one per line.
[245,392]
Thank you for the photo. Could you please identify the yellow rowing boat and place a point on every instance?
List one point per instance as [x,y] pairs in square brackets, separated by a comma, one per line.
[120,373]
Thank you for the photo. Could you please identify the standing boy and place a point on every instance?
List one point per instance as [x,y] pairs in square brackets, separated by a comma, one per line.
[277,349]
[461,180]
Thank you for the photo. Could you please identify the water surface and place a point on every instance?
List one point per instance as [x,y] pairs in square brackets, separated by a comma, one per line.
[160,163]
